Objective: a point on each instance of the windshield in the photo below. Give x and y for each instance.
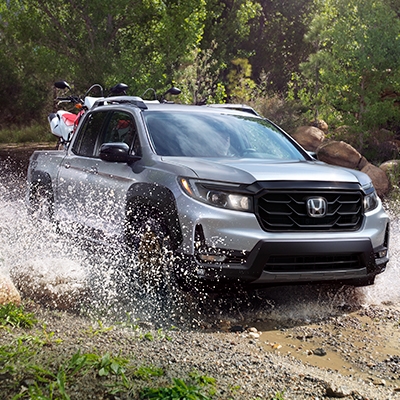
(197, 134)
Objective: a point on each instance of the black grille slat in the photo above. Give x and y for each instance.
(280, 210)
(306, 263)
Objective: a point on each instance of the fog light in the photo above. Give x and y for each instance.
(212, 258)
(382, 253)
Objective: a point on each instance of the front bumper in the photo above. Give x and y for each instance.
(230, 245)
(273, 261)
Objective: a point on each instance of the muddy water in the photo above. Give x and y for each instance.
(63, 273)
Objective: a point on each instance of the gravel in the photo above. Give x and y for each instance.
(242, 364)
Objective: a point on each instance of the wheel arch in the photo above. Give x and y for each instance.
(40, 178)
(152, 196)
(40, 186)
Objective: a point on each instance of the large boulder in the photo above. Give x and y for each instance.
(378, 178)
(391, 167)
(392, 171)
(309, 137)
(342, 154)
(8, 292)
(320, 124)
(59, 283)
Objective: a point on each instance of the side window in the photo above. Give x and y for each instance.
(121, 127)
(85, 143)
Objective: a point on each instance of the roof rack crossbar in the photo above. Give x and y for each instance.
(133, 100)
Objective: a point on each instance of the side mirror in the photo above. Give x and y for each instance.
(116, 152)
(62, 85)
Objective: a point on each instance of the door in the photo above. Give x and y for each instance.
(94, 191)
(74, 183)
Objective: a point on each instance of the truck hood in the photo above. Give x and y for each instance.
(247, 171)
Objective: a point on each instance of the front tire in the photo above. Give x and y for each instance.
(152, 251)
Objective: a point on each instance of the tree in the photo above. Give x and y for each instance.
(356, 63)
(199, 78)
(240, 84)
(92, 41)
(228, 24)
(275, 44)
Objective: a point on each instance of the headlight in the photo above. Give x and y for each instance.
(217, 194)
(371, 201)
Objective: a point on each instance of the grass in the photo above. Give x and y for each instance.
(32, 133)
(37, 364)
(16, 317)
(197, 387)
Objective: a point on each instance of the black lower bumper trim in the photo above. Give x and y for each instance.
(301, 260)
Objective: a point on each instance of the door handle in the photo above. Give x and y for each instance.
(93, 170)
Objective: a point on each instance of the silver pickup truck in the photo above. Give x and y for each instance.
(208, 194)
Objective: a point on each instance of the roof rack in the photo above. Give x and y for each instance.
(134, 100)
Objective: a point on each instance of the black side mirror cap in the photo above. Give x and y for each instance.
(117, 152)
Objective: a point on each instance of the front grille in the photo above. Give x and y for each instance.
(309, 263)
(286, 210)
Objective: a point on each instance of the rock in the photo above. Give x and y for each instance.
(342, 154)
(309, 137)
(224, 325)
(379, 382)
(320, 124)
(333, 390)
(237, 328)
(8, 292)
(319, 352)
(59, 283)
(391, 166)
(378, 178)
(254, 335)
(383, 135)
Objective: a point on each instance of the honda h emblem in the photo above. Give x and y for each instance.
(316, 207)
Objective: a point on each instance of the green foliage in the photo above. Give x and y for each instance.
(198, 78)
(228, 24)
(354, 72)
(198, 387)
(93, 331)
(287, 113)
(33, 132)
(347, 71)
(16, 316)
(108, 365)
(279, 396)
(240, 85)
(275, 46)
(147, 372)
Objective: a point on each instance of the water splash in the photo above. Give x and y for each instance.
(61, 272)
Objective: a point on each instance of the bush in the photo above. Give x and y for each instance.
(288, 114)
(32, 133)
